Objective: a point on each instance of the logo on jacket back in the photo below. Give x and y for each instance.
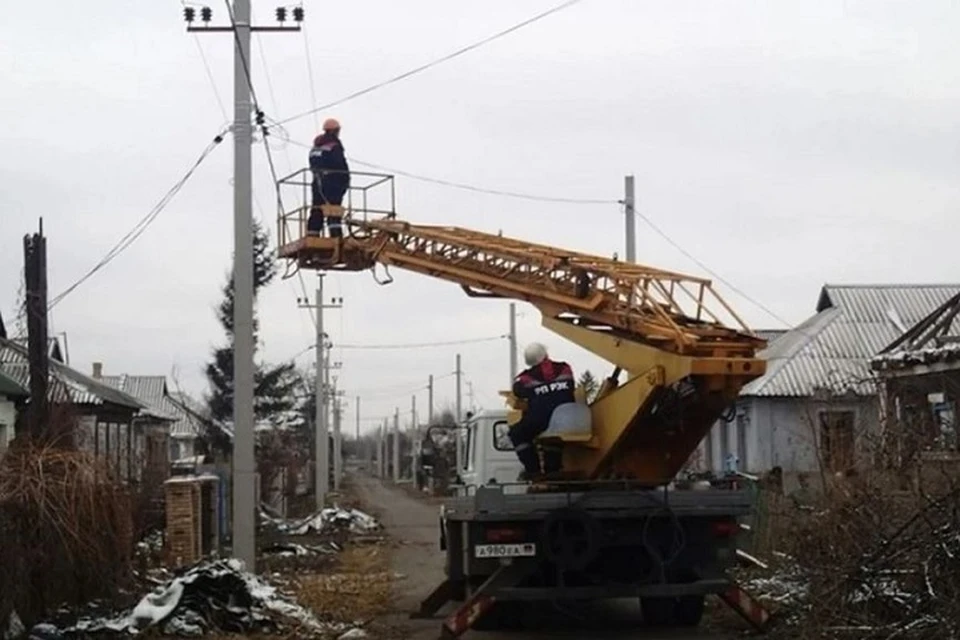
(550, 387)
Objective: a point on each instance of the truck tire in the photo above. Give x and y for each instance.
(503, 616)
(688, 611)
(658, 612)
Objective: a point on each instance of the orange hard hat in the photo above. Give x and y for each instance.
(331, 124)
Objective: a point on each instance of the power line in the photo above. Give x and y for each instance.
(422, 345)
(142, 225)
(713, 273)
(313, 88)
(476, 189)
(406, 345)
(441, 60)
(470, 187)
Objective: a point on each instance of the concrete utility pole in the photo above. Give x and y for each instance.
(396, 445)
(513, 341)
(337, 439)
(244, 465)
(629, 211)
(321, 385)
(382, 448)
(459, 441)
(430, 400)
(415, 435)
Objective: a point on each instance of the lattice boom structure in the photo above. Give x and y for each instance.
(669, 310)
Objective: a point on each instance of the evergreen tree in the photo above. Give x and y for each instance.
(589, 384)
(275, 386)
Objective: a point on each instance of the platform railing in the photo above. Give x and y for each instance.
(370, 196)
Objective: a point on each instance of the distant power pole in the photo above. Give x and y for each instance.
(459, 440)
(382, 450)
(35, 280)
(415, 439)
(321, 391)
(430, 400)
(337, 439)
(629, 211)
(244, 465)
(396, 445)
(513, 341)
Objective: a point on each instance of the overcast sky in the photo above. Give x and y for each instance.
(784, 145)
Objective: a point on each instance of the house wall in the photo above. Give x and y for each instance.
(785, 432)
(8, 417)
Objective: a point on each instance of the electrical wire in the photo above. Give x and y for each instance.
(441, 60)
(476, 189)
(470, 187)
(141, 226)
(422, 345)
(313, 87)
(710, 271)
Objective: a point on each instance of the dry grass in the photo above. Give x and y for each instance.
(357, 591)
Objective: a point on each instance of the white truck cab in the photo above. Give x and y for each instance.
(487, 453)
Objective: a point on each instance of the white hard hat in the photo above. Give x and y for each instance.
(534, 354)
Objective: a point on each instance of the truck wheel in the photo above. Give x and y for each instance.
(504, 615)
(688, 610)
(658, 612)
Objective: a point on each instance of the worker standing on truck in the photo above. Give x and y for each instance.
(545, 385)
(331, 178)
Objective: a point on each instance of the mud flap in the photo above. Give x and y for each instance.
(746, 606)
(482, 600)
(445, 592)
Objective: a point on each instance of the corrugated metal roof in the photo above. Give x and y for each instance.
(833, 348)
(65, 383)
(200, 411)
(153, 391)
(10, 388)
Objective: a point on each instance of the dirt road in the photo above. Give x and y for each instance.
(413, 523)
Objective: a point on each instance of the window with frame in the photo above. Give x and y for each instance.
(501, 436)
(837, 440)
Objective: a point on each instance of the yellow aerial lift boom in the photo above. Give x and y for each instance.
(684, 365)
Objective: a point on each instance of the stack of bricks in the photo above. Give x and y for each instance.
(183, 521)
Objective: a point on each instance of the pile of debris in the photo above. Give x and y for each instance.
(328, 521)
(215, 596)
(870, 563)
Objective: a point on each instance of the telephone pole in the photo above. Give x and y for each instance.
(629, 211)
(244, 465)
(35, 279)
(513, 341)
(396, 446)
(459, 375)
(430, 400)
(415, 440)
(321, 418)
(337, 437)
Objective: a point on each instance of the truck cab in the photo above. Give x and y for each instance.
(487, 455)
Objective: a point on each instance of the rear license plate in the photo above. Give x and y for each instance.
(524, 550)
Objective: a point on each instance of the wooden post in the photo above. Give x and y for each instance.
(35, 276)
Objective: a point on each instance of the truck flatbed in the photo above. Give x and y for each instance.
(492, 503)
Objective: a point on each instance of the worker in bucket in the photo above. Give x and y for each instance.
(545, 385)
(331, 178)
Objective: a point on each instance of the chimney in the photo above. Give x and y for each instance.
(97, 370)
